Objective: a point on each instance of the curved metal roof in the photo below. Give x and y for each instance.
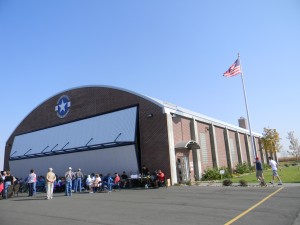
(166, 108)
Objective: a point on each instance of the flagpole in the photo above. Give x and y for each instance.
(248, 117)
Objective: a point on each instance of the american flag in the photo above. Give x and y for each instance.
(234, 69)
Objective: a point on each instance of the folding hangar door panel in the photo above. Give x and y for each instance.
(107, 160)
(104, 143)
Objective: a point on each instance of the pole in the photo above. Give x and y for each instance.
(248, 117)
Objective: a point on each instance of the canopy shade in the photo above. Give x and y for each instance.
(188, 144)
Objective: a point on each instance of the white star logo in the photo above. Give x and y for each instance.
(62, 106)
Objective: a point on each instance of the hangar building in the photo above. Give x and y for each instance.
(108, 129)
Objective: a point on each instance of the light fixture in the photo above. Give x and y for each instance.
(149, 115)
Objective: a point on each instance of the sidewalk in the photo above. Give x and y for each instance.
(219, 184)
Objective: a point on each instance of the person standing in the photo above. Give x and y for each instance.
(3, 175)
(78, 180)
(30, 182)
(273, 165)
(145, 171)
(69, 175)
(50, 178)
(88, 183)
(34, 184)
(259, 172)
(9, 180)
(1, 185)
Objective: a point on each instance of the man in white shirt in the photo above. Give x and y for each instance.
(273, 165)
(31, 179)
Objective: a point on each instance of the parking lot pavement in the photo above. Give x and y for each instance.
(165, 206)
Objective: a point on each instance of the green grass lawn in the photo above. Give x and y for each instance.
(289, 174)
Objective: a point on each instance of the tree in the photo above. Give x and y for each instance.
(294, 145)
(271, 140)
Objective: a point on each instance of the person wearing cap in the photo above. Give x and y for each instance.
(50, 178)
(78, 179)
(259, 172)
(69, 175)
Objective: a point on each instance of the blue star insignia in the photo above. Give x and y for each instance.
(63, 106)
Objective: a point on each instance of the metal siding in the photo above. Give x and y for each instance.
(103, 129)
(109, 160)
(232, 151)
(203, 148)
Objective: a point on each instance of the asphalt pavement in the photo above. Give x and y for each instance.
(177, 205)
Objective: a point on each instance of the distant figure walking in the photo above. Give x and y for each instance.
(259, 172)
(50, 178)
(273, 165)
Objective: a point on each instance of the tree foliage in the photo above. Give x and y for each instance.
(294, 145)
(271, 140)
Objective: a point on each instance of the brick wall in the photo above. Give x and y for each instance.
(181, 129)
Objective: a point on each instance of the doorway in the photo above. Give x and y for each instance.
(183, 170)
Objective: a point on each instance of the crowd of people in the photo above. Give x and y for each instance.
(75, 181)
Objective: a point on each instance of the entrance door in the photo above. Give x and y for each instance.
(183, 170)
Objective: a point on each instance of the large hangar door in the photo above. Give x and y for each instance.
(108, 160)
(104, 143)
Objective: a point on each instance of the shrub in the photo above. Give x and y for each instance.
(243, 183)
(214, 174)
(227, 173)
(244, 167)
(227, 182)
(189, 183)
(211, 174)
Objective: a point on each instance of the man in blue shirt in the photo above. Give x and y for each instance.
(259, 172)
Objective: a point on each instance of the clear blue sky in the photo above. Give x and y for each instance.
(173, 50)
